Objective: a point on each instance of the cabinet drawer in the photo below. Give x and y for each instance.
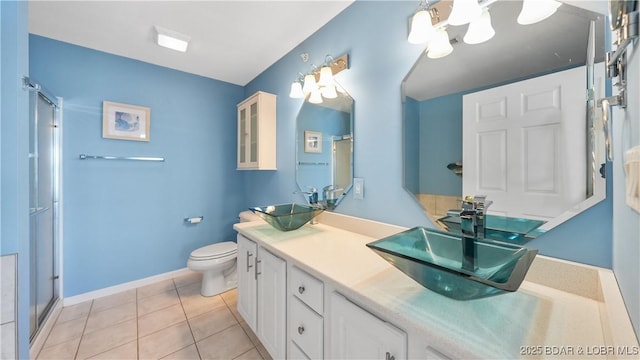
(306, 329)
(294, 352)
(308, 289)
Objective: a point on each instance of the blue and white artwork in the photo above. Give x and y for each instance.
(127, 121)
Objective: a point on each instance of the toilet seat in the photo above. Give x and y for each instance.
(215, 251)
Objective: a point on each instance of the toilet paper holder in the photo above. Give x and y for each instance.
(193, 220)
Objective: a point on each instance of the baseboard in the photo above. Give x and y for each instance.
(77, 299)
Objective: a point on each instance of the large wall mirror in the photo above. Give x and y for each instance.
(324, 148)
(509, 118)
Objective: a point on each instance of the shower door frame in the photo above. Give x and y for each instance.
(39, 317)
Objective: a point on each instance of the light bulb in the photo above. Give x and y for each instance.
(315, 97)
(480, 29)
(440, 46)
(309, 84)
(534, 11)
(421, 28)
(326, 76)
(464, 12)
(296, 90)
(329, 92)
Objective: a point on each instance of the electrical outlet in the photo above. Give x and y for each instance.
(358, 188)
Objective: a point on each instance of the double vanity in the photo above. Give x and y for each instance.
(320, 292)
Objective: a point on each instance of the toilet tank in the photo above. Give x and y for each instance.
(248, 216)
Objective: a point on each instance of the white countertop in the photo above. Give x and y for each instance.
(567, 316)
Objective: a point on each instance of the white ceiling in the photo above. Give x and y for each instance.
(232, 41)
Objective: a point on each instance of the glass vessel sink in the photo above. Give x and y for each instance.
(287, 217)
(501, 228)
(434, 259)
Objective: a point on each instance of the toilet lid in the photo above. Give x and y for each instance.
(216, 250)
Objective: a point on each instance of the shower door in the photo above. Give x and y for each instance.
(43, 207)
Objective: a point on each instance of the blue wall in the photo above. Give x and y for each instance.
(380, 58)
(14, 152)
(124, 220)
(440, 144)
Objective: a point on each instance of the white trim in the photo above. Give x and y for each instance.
(124, 286)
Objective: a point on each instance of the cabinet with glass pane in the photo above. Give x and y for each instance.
(257, 132)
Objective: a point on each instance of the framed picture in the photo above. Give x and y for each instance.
(125, 122)
(312, 141)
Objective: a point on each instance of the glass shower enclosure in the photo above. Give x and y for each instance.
(43, 204)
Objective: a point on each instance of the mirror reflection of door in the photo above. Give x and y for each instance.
(342, 163)
(433, 94)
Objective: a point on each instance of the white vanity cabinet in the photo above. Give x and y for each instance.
(358, 334)
(262, 294)
(257, 132)
(305, 315)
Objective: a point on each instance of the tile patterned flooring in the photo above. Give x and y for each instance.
(164, 320)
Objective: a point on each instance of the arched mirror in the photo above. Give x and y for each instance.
(324, 148)
(511, 119)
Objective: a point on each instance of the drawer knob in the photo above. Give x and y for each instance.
(300, 329)
(389, 356)
(301, 289)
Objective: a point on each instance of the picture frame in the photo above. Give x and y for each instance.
(312, 141)
(125, 121)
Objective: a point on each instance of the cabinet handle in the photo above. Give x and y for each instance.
(388, 356)
(301, 289)
(301, 330)
(249, 266)
(256, 264)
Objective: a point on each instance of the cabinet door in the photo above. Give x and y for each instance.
(247, 296)
(243, 133)
(272, 274)
(357, 334)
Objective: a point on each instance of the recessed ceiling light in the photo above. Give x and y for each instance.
(171, 39)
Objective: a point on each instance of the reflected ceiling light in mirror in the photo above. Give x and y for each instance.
(534, 11)
(440, 45)
(421, 27)
(480, 29)
(464, 12)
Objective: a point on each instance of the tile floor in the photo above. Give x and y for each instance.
(165, 320)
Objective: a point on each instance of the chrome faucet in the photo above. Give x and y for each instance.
(473, 226)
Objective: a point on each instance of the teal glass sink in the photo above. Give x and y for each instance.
(287, 217)
(501, 228)
(434, 259)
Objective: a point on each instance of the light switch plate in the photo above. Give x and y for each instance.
(358, 188)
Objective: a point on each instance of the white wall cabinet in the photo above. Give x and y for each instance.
(262, 295)
(257, 132)
(358, 334)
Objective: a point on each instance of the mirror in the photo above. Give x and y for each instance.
(324, 149)
(481, 121)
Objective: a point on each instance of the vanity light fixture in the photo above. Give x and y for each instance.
(319, 82)
(480, 29)
(534, 11)
(172, 39)
(429, 22)
(464, 12)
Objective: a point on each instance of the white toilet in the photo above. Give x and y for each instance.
(217, 263)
